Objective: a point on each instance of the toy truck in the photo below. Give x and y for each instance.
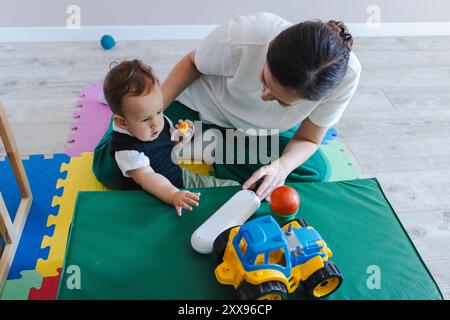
(265, 261)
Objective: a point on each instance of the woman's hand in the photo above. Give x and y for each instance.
(305, 142)
(273, 176)
(184, 199)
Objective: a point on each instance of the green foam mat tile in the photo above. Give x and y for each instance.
(130, 245)
(342, 165)
(19, 289)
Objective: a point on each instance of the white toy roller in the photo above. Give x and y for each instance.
(234, 212)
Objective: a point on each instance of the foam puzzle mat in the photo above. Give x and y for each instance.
(343, 166)
(55, 182)
(42, 175)
(18, 289)
(329, 136)
(47, 290)
(92, 121)
(79, 178)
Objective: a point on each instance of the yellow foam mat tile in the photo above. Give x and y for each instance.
(203, 169)
(79, 178)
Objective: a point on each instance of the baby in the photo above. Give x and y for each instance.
(141, 142)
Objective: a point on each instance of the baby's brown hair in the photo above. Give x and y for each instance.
(128, 78)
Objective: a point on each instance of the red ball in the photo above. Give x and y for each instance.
(284, 201)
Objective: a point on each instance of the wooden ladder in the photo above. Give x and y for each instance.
(11, 231)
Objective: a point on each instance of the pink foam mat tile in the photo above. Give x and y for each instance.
(92, 121)
(92, 92)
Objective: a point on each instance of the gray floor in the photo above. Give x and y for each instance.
(395, 127)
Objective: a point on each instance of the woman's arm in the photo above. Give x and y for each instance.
(302, 146)
(182, 75)
(305, 142)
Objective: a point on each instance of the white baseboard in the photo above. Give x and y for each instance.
(175, 32)
(400, 29)
(178, 32)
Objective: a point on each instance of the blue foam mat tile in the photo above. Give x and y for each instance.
(35, 157)
(43, 175)
(330, 135)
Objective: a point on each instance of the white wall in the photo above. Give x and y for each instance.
(39, 13)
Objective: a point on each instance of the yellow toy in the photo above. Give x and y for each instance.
(184, 127)
(263, 261)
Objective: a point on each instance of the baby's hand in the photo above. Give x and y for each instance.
(183, 200)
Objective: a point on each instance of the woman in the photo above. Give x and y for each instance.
(260, 71)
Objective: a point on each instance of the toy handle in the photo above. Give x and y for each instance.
(235, 211)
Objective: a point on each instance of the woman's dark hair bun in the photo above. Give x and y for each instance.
(310, 57)
(340, 28)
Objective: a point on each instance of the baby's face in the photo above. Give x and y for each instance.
(144, 114)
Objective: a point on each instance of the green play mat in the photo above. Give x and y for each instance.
(130, 245)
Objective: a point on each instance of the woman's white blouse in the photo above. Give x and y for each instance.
(231, 59)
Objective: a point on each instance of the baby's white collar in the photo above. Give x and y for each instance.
(120, 130)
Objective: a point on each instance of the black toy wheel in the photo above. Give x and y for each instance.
(220, 244)
(301, 222)
(271, 290)
(324, 281)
